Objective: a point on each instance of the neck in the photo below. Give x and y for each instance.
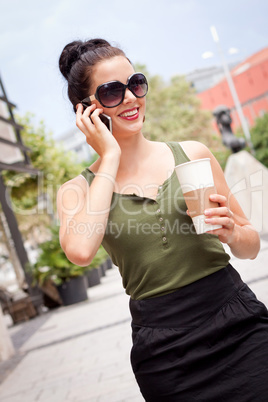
(133, 150)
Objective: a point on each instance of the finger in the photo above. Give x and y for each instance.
(221, 199)
(79, 109)
(86, 116)
(95, 117)
(231, 214)
(220, 211)
(79, 113)
(89, 110)
(223, 221)
(82, 118)
(219, 232)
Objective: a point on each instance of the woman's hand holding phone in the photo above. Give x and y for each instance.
(98, 136)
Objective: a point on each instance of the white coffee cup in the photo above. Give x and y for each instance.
(196, 180)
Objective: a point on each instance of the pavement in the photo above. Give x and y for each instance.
(82, 352)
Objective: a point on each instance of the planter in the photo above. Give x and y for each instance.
(73, 291)
(51, 295)
(102, 269)
(109, 264)
(93, 277)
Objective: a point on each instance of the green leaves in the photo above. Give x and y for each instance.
(53, 264)
(173, 112)
(55, 166)
(259, 135)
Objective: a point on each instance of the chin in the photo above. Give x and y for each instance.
(131, 127)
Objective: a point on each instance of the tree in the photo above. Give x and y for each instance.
(173, 113)
(259, 137)
(55, 166)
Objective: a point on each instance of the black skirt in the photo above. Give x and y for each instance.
(206, 342)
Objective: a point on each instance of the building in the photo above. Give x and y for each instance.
(204, 78)
(75, 141)
(250, 78)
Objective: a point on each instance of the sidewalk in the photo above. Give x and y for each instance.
(81, 352)
(77, 353)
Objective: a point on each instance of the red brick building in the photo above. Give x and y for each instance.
(251, 82)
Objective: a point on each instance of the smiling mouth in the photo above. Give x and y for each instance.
(130, 113)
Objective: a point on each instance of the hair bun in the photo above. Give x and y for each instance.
(74, 50)
(78, 61)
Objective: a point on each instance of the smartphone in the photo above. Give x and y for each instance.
(107, 121)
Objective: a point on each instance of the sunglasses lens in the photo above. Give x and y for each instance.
(138, 85)
(111, 94)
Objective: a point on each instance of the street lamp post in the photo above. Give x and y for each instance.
(232, 89)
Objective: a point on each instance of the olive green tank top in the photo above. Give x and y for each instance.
(154, 243)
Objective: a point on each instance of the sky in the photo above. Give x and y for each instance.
(168, 36)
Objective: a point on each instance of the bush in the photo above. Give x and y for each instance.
(52, 264)
(259, 136)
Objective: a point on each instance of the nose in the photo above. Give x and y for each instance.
(129, 97)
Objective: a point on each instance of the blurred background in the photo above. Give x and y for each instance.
(207, 67)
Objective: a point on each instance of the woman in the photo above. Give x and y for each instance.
(199, 333)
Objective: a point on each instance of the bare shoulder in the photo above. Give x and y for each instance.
(70, 195)
(73, 184)
(195, 150)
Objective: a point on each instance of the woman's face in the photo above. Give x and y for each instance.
(128, 116)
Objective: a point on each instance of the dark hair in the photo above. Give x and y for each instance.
(77, 61)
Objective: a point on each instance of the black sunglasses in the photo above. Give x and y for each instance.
(112, 93)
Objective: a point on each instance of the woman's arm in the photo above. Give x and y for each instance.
(83, 210)
(236, 231)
